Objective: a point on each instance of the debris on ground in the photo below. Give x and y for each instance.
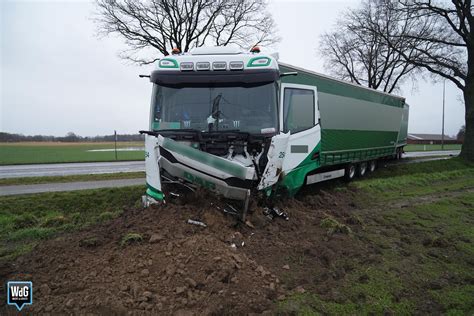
(272, 212)
(197, 223)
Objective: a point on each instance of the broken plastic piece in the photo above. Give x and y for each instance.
(148, 200)
(271, 213)
(198, 223)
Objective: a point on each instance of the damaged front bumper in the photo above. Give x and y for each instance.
(228, 178)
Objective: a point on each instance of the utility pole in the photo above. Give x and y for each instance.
(442, 128)
(115, 138)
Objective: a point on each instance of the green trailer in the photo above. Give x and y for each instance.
(358, 125)
(237, 123)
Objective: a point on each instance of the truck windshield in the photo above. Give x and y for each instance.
(250, 109)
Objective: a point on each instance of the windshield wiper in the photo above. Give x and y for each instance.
(213, 119)
(228, 131)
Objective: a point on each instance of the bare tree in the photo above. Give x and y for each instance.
(440, 34)
(353, 52)
(152, 27)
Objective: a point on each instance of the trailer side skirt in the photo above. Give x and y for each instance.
(324, 176)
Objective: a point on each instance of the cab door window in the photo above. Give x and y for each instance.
(298, 110)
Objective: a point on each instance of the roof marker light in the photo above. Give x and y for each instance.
(168, 63)
(219, 65)
(175, 51)
(259, 62)
(255, 49)
(203, 66)
(186, 66)
(236, 65)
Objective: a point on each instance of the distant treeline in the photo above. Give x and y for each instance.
(70, 138)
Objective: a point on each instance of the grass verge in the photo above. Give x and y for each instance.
(26, 220)
(419, 218)
(72, 178)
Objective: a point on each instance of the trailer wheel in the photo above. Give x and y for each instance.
(372, 165)
(350, 172)
(399, 154)
(362, 169)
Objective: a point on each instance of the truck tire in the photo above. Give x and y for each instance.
(372, 165)
(362, 169)
(350, 172)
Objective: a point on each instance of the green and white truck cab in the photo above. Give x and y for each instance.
(236, 122)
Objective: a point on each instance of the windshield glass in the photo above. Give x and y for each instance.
(250, 109)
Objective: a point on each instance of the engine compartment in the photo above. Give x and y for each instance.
(242, 147)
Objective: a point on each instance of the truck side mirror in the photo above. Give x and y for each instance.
(284, 74)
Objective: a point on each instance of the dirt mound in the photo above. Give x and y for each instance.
(153, 261)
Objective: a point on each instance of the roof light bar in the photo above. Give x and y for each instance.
(219, 65)
(203, 66)
(236, 65)
(186, 66)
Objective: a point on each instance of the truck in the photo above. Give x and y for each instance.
(239, 123)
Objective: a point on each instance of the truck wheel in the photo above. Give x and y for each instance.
(372, 165)
(362, 169)
(350, 172)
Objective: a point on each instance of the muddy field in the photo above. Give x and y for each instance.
(153, 262)
(178, 267)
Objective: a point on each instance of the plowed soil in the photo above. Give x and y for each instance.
(227, 267)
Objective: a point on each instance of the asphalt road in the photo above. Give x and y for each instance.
(114, 167)
(67, 169)
(70, 186)
(419, 154)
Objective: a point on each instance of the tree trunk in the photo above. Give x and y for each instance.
(467, 151)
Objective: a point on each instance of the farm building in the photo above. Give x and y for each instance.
(430, 139)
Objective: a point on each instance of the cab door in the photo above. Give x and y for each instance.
(299, 116)
(291, 152)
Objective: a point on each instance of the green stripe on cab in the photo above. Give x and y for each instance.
(154, 193)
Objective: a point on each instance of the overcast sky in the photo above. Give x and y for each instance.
(57, 76)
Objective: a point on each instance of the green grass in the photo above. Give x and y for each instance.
(31, 153)
(408, 180)
(26, 220)
(416, 147)
(420, 218)
(73, 178)
(131, 238)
